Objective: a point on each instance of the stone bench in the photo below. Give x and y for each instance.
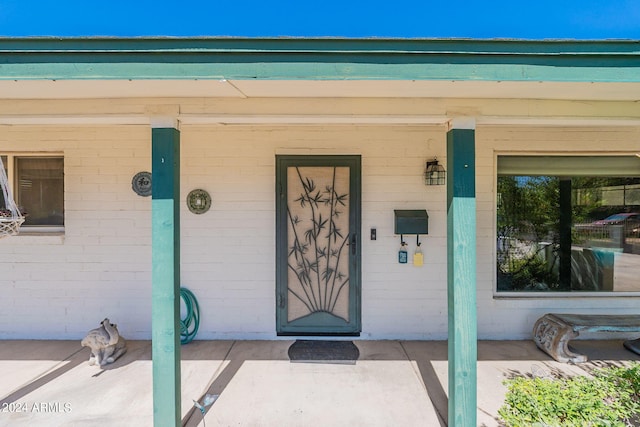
(552, 332)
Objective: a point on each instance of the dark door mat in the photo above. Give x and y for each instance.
(324, 351)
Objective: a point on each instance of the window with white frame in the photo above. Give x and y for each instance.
(568, 224)
(37, 183)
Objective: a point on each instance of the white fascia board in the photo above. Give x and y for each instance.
(196, 119)
(310, 119)
(204, 119)
(559, 121)
(74, 120)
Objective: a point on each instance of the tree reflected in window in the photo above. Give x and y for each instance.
(559, 234)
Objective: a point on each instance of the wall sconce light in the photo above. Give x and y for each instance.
(434, 173)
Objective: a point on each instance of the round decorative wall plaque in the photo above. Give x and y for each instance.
(198, 201)
(141, 184)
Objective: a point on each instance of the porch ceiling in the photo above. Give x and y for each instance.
(231, 88)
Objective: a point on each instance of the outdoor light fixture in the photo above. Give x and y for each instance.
(434, 173)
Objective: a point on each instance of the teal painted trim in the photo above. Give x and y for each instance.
(263, 68)
(461, 278)
(165, 165)
(165, 312)
(320, 59)
(318, 45)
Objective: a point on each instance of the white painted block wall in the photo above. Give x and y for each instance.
(228, 254)
(59, 287)
(499, 318)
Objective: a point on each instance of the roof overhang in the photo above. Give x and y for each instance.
(53, 68)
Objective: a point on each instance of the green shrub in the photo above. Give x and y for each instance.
(610, 398)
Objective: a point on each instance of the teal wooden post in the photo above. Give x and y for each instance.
(165, 312)
(461, 277)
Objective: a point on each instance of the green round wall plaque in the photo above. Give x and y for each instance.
(198, 201)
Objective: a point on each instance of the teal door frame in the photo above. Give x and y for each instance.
(318, 322)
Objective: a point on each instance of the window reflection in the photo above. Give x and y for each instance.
(557, 233)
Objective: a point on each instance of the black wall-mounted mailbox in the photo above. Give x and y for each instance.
(411, 221)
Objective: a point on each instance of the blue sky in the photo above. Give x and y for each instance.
(541, 19)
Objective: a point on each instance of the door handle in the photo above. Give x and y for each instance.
(281, 300)
(354, 243)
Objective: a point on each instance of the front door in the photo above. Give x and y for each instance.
(318, 245)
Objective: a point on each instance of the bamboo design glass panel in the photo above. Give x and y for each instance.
(318, 236)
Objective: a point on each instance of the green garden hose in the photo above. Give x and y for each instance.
(189, 325)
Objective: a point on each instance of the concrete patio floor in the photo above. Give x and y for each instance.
(393, 383)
